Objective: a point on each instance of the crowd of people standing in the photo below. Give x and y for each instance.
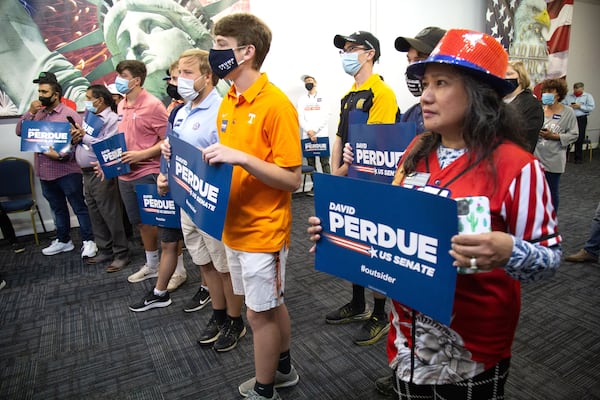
(469, 141)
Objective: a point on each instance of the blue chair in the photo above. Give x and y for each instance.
(306, 171)
(17, 192)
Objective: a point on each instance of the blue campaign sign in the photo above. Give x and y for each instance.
(320, 148)
(378, 148)
(38, 136)
(91, 124)
(200, 189)
(109, 153)
(156, 209)
(389, 239)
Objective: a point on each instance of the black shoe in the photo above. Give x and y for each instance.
(211, 333)
(346, 314)
(18, 248)
(386, 386)
(151, 301)
(229, 336)
(371, 331)
(199, 301)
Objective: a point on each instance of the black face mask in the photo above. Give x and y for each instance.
(309, 86)
(414, 85)
(46, 101)
(172, 92)
(513, 82)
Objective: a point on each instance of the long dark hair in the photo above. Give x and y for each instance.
(101, 91)
(488, 121)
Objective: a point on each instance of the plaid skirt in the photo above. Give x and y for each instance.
(489, 385)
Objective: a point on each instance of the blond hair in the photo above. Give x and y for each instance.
(520, 69)
(201, 56)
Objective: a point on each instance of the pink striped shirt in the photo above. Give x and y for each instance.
(46, 168)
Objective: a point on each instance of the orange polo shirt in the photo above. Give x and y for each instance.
(263, 122)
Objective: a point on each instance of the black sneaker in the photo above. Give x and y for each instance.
(229, 336)
(387, 386)
(17, 248)
(151, 301)
(211, 333)
(199, 301)
(346, 314)
(371, 331)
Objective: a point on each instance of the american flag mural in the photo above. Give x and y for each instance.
(534, 31)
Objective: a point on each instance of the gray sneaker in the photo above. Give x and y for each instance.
(252, 395)
(281, 381)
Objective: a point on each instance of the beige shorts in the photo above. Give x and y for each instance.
(258, 276)
(202, 247)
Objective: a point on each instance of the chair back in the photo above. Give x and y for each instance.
(16, 177)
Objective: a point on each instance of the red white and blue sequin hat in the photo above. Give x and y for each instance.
(476, 53)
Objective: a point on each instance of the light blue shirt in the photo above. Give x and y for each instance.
(586, 102)
(84, 153)
(198, 126)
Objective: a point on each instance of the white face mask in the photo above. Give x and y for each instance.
(185, 88)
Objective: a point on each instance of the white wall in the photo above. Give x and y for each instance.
(584, 57)
(303, 39)
(303, 34)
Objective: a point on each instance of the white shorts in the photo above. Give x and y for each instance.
(202, 247)
(258, 276)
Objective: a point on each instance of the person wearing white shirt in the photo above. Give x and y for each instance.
(313, 115)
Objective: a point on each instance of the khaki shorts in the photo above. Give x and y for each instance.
(202, 247)
(258, 276)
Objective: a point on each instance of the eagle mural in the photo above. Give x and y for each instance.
(529, 44)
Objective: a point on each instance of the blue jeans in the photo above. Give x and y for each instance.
(553, 180)
(57, 192)
(592, 245)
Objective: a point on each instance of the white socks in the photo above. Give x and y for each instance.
(152, 259)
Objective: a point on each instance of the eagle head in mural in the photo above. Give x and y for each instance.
(529, 44)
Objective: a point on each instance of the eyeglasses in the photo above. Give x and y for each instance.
(352, 49)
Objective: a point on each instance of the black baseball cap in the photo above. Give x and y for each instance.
(46, 77)
(359, 37)
(424, 42)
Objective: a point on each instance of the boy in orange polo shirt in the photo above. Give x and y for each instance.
(258, 131)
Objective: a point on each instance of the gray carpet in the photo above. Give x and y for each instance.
(66, 331)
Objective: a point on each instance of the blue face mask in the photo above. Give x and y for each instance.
(122, 85)
(350, 63)
(547, 99)
(222, 62)
(89, 105)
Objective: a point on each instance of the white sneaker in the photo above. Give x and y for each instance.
(89, 249)
(58, 247)
(144, 273)
(176, 281)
